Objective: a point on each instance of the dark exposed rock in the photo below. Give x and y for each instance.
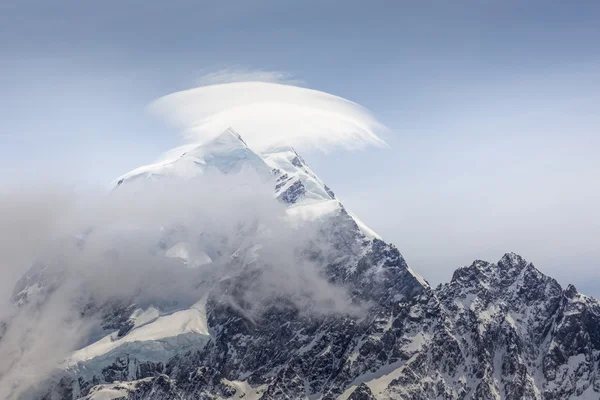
(362, 392)
(293, 193)
(329, 192)
(116, 317)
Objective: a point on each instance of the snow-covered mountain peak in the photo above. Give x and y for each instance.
(226, 153)
(230, 134)
(295, 183)
(228, 141)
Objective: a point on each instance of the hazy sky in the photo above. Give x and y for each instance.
(492, 109)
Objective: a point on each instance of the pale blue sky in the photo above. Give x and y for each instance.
(492, 108)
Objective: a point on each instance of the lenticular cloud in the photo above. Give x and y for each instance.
(271, 115)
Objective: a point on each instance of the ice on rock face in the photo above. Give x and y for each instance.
(154, 337)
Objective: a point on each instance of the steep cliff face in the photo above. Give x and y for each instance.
(495, 331)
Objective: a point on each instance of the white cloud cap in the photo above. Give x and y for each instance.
(270, 115)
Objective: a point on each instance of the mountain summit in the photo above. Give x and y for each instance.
(495, 331)
(295, 183)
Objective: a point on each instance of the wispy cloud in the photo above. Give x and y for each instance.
(238, 74)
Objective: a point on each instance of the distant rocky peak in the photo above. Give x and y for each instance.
(511, 261)
(510, 278)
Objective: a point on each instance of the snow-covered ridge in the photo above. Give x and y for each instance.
(292, 169)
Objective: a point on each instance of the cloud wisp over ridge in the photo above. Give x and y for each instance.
(231, 75)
